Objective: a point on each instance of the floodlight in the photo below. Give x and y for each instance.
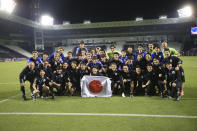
(163, 17)
(185, 12)
(86, 22)
(7, 5)
(46, 20)
(139, 19)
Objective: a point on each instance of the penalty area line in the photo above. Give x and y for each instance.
(98, 114)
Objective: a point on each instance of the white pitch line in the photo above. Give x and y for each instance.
(9, 98)
(98, 114)
(4, 100)
(9, 83)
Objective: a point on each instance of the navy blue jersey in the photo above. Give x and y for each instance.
(52, 56)
(118, 63)
(98, 65)
(37, 61)
(78, 50)
(159, 56)
(123, 59)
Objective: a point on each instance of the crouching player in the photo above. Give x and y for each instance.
(126, 80)
(175, 80)
(41, 86)
(148, 81)
(57, 82)
(29, 73)
(114, 75)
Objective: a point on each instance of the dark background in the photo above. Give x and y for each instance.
(76, 11)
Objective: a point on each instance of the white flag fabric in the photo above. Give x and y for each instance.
(95, 86)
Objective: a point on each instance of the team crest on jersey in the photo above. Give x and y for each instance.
(173, 72)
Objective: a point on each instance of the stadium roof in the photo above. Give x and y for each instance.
(23, 21)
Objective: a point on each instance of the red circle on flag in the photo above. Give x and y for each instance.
(95, 86)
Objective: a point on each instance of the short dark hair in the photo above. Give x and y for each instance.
(116, 53)
(112, 46)
(46, 53)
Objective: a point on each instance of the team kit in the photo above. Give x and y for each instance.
(151, 72)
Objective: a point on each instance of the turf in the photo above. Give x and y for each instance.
(9, 87)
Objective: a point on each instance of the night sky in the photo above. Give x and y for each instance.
(76, 11)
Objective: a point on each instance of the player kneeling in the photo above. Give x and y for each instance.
(41, 85)
(175, 80)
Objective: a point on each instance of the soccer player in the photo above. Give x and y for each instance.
(104, 61)
(95, 63)
(148, 59)
(29, 73)
(81, 47)
(37, 61)
(150, 48)
(114, 75)
(41, 85)
(60, 51)
(175, 80)
(140, 61)
(140, 51)
(160, 79)
(83, 70)
(138, 82)
(47, 68)
(57, 82)
(158, 54)
(172, 50)
(131, 64)
(73, 79)
(117, 61)
(111, 52)
(45, 56)
(123, 56)
(126, 80)
(171, 59)
(69, 57)
(56, 62)
(130, 53)
(148, 81)
(95, 72)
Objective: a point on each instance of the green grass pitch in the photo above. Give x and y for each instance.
(11, 101)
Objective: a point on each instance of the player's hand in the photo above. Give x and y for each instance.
(124, 80)
(143, 86)
(160, 75)
(174, 84)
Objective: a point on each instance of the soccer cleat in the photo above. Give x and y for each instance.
(34, 98)
(123, 95)
(177, 98)
(24, 98)
(131, 95)
(169, 97)
(53, 97)
(42, 97)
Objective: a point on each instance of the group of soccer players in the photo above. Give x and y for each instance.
(151, 72)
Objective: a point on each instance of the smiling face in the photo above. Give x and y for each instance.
(94, 71)
(125, 69)
(42, 73)
(149, 68)
(35, 55)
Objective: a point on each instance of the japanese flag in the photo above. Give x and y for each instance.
(96, 86)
